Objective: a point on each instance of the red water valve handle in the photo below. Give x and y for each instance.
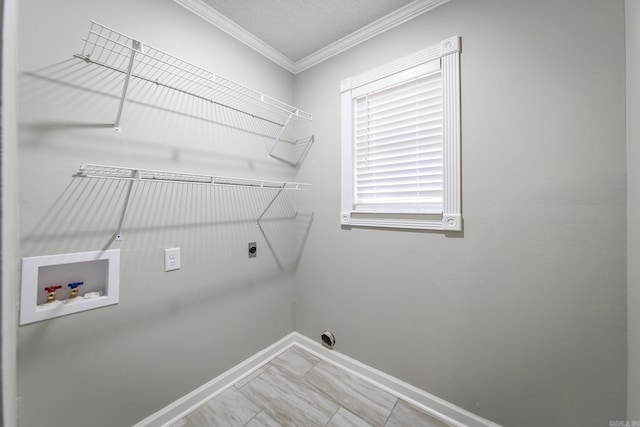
(52, 288)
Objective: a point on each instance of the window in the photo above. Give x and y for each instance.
(401, 143)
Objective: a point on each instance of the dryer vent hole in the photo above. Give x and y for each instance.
(328, 339)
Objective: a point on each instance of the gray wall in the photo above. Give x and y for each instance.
(522, 318)
(171, 332)
(632, 15)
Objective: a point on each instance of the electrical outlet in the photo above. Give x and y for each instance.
(171, 259)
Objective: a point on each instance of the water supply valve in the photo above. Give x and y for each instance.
(51, 292)
(74, 288)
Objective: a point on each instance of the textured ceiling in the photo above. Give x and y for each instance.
(298, 28)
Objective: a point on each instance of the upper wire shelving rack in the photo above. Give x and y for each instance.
(111, 49)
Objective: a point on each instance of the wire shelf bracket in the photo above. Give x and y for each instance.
(301, 145)
(116, 51)
(305, 143)
(119, 236)
(267, 208)
(136, 46)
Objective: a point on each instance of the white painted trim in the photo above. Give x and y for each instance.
(189, 402)
(220, 21)
(10, 215)
(436, 51)
(441, 409)
(451, 218)
(352, 219)
(393, 19)
(446, 411)
(447, 55)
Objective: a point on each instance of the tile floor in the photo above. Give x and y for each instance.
(299, 389)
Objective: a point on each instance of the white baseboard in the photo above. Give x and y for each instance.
(188, 403)
(433, 405)
(438, 408)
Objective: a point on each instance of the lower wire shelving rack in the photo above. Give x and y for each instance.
(149, 175)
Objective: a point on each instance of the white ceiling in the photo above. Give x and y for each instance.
(298, 34)
(298, 28)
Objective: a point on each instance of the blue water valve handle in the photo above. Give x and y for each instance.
(74, 289)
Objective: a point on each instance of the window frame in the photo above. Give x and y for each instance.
(448, 54)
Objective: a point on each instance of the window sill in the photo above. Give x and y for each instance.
(447, 222)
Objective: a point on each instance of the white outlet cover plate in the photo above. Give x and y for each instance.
(171, 259)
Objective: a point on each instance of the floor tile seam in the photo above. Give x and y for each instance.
(286, 374)
(262, 408)
(340, 366)
(390, 413)
(264, 368)
(360, 417)
(309, 383)
(262, 365)
(373, 385)
(308, 370)
(281, 364)
(259, 412)
(257, 408)
(333, 415)
(241, 391)
(302, 352)
(397, 395)
(340, 405)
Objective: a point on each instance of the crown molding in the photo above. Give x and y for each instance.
(400, 16)
(212, 16)
(395, 18)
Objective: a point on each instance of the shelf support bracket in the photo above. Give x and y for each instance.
(268, 206)
(306, 143)
(284, 126)
(118, 236)
(273, 252)
(136, 46)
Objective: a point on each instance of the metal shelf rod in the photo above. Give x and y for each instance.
(136, 174)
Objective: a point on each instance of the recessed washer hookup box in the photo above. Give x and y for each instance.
(57, 285)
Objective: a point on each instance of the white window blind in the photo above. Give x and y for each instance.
(398, 160)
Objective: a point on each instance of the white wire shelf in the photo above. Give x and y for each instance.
(148, 175)
(111, 49)
(135, 174)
